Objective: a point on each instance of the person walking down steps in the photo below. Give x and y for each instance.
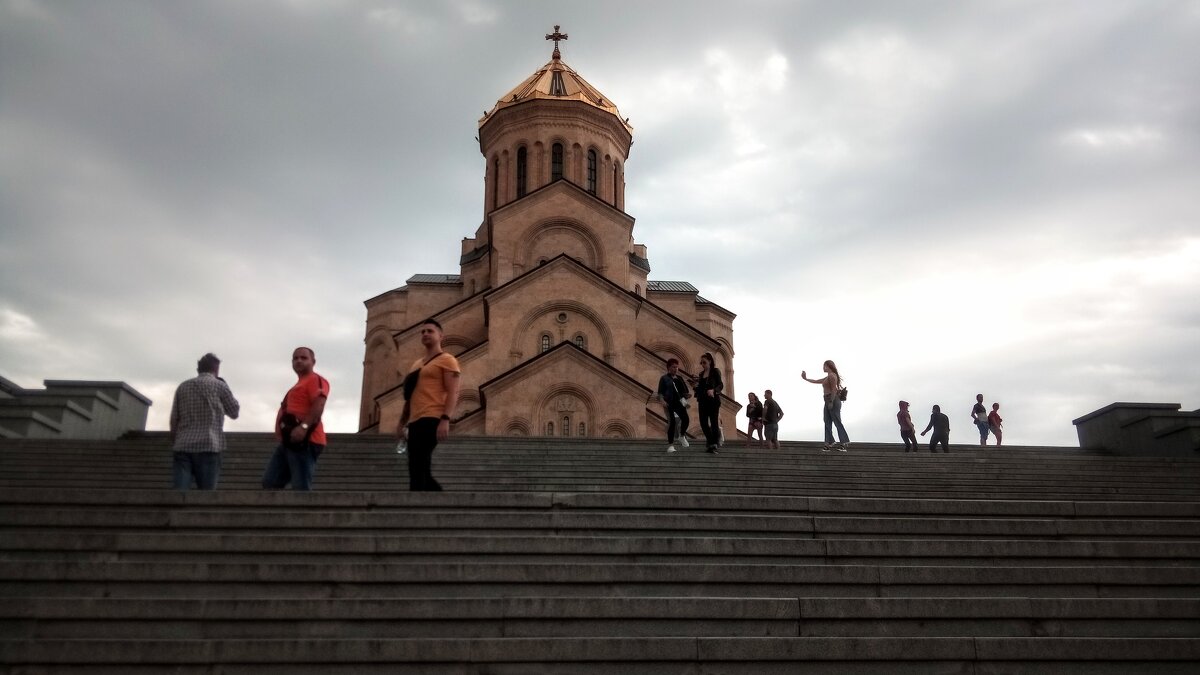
(673, 395)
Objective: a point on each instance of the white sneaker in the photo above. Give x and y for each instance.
(670, 448)
(842, 447)
(684, 441)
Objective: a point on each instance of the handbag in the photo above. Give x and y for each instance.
(287, 422)
(410, 380)
(842, 393)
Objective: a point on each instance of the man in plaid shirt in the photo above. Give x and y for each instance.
(198, 425)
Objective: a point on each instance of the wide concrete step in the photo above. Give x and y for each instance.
(238, 500)
(319, 580)
(599, 522)
(90, 547)
(206, 619)
(630, 654)
(872, 470)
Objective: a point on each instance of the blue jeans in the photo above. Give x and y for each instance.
(983, 430)
(294, 465)
(833, 416)
(204, 467)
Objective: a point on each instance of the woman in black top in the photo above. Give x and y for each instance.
(754, 411)
(708, 386)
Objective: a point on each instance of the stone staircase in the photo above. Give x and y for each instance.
(598, 556)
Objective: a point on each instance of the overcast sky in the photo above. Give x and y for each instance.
(946, 198)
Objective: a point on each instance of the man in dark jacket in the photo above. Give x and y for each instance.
(672, 394)
(941, 430)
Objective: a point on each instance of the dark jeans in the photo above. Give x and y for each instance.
(676, 409)
(910, 440)
(422, 439)
(944, 439)
(204, 467)
(295, 465)
(709, 423)
(833, 416)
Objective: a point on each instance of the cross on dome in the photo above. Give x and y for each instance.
(556, 36)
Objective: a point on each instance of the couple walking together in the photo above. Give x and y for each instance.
(673, 394)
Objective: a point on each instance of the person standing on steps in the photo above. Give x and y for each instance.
(908, 432)
(708, 386)
(995, 423)
(979, 416)
(673, 395)
(298, 427)
(772, 413)
(940, 424)
(831, 387)
(754, 411)
(198, 425)
(431, 398)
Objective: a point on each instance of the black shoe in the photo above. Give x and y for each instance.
(712, 450)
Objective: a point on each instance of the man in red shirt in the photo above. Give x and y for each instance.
(298, 427)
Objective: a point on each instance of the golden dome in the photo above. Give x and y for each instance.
(556, 80)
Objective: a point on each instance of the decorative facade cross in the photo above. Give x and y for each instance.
(556, 36)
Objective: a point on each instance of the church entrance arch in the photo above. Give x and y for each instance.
(566, 408)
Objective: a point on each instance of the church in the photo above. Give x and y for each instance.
(553, 317)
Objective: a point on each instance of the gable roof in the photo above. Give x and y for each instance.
(556, 351)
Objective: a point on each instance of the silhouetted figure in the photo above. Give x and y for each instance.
(772, 413)
(979, 416)
(908, 432)
(941, 430)
(996, 424)
(754, 412)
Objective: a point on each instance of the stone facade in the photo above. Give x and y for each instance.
(552, 316)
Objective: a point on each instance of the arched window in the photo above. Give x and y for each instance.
(591, 172)
(556, 162)
(580, 342)
(549, 428)
(521, 172)
(495, 182)
(566, 426)
(545, 343)
(583, 429)
(637, 289)
(616, 180)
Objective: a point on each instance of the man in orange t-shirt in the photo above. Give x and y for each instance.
(431, 390)
(298, 427)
